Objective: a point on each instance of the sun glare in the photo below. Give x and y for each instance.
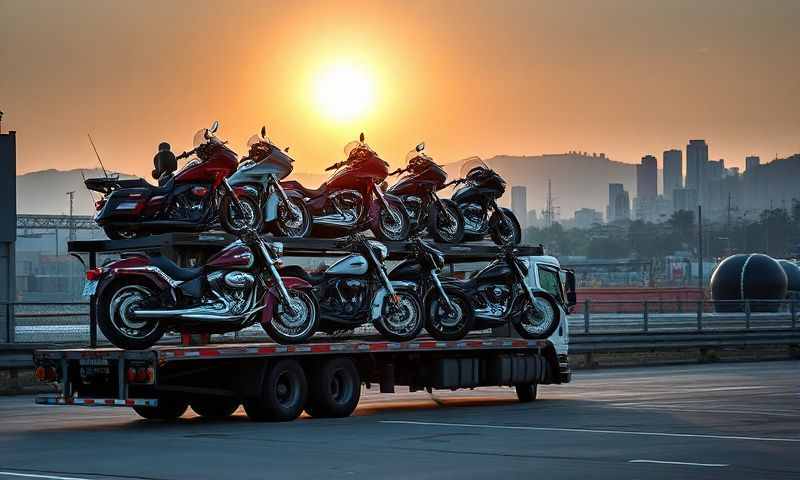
(344, 92)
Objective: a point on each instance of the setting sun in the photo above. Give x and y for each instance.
(344, 92)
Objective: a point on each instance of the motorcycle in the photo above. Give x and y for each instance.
(499, 293)
(448, 311)
(259, 174)
(189, 200)
(417, 190)
(478, 198)
(353, 198)
(356, 290)
(141, 297)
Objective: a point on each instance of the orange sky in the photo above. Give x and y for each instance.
(511, 77)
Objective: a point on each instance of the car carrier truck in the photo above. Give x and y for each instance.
(323, 377)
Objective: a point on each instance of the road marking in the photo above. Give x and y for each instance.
(668, 408)
(692, 464)
(33, 475)
(590, 430)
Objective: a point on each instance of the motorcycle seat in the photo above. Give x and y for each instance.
(173, 270)
(307, 192)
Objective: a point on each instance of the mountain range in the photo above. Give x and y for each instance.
(577, 180)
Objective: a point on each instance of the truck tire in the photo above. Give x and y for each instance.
(283, 394)
(168, 409)
(334, 390)
(214, 407)
(526, 393)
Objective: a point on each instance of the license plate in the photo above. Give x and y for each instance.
(89, 288)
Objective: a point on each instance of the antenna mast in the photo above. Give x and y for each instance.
(97, 155)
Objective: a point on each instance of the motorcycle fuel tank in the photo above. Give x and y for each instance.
(220, 163)
(353, 264)
(235, 255)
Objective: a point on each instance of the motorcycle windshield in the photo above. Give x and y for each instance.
(471, 164)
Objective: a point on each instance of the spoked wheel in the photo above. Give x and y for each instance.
(539, 322)
(298, 325)
(215, 407)
(116, 319)
(168, 409)
(233, 221)
(444, 323)
(393, 224)
(293, 220)
(446, 224)
(284, 392)
(505, 228)
(401, 318)
(334, 390)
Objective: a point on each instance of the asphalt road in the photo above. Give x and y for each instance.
(731, 421)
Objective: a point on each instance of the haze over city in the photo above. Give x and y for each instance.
(627, 78)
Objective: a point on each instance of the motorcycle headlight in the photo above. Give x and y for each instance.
(380, 249)
(277, 249)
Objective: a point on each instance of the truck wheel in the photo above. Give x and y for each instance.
(526, 392)
(215, 407)
(283, 394)
(168, 409)
(334, 389)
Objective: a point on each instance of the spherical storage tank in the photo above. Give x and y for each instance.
(748, 277)
(793, 275)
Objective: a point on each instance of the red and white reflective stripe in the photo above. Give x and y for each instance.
(364, 346)
(96, 402)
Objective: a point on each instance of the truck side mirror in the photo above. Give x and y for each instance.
(572, 295)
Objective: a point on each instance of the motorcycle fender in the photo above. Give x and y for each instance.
(272, 298)
(375, 207)
(380, 295)
(246, 191)
(271, 205)
(130, 268)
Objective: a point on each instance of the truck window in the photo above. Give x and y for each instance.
(549, 281)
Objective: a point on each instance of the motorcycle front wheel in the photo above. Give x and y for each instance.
(448, 324)
(233, 221)
(506, 229)
(392, 224)
(296, 326)
(115, 318)
(293, 220)
(540, 323)
(446, 224)
(400, 320)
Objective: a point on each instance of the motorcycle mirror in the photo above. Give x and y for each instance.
(214, 127)
(421, 147)
(263, 132)
(361, 137)
(286, 149)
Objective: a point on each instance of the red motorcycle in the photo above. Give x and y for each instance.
(190, 200)
(353, 198)
(140, 297)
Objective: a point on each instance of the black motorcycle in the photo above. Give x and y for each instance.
(477, 201)
(499, 293)
(417, 190)
(356, 290)
(448, 312)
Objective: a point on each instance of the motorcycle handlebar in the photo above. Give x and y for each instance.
(186, 154)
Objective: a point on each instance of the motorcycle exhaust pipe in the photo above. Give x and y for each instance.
(197, 313)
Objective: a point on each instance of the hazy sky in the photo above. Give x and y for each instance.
(506, 77)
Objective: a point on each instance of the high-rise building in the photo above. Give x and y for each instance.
(647, 178)
(614, 189)
(684, 199)
(533, 218)
(673, 171)
(519, 204)
(586, 217)
(696, 161)
(751, 162)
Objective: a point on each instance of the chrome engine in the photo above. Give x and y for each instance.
(234, 299)
(493, 300)
(346, 207)
(475, 220)
(350, 294)
(187, 206)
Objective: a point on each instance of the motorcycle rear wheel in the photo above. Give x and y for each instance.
(114, 315)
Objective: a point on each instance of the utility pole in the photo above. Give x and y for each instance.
(549, 216)
(700, 282)
(1, 121)
(71, 221)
